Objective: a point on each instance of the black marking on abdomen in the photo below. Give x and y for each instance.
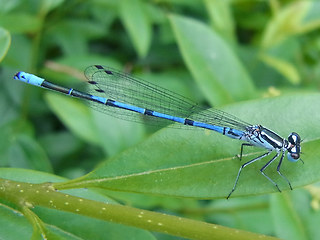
(110, 103)
(55, 87)
(148, 112)
(188, 122)
(230, 132)
(79, 94)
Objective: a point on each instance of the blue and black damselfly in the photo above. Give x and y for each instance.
(123, 96)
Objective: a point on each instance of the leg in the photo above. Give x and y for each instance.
(241, 149)
(278, 170)
(243, 166)
(265, 166)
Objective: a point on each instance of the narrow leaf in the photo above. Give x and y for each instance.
(215, 67)
(137, 24)
(221, 18)
(5, 40)
(284, 67)
(298, 17)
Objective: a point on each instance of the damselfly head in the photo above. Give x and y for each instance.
(294, 149)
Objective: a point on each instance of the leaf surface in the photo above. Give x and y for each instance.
(202, 164)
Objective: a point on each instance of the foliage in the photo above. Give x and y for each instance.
(258, 60)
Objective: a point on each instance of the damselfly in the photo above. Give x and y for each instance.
(123, 96)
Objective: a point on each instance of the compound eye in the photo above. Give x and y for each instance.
(294, 138)
(293, 157)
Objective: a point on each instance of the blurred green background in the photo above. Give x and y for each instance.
(224, 54)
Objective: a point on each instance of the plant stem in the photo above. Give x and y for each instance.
(30, 195)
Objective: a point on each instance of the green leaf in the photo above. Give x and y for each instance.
(202, 164)
(306, 203)
(217, 70)
(5, 40)
(12, 22)
(75, 115)
(108, 132)
(221, 18)
(19, 149)
(243, 213)
(7, 6)
(137, 25)
(284, 67)
(48, 5)
(311, 20)
(10, 221)
(288, 223)
(296, 18)
(69, 35)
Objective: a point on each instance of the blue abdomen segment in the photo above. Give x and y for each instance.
(168, 117)
(233, 133)
(144, 111)
(129, 107)
(209, 126)
(230, 132)
(99, 99)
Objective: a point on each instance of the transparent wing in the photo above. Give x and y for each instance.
(118, 86)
